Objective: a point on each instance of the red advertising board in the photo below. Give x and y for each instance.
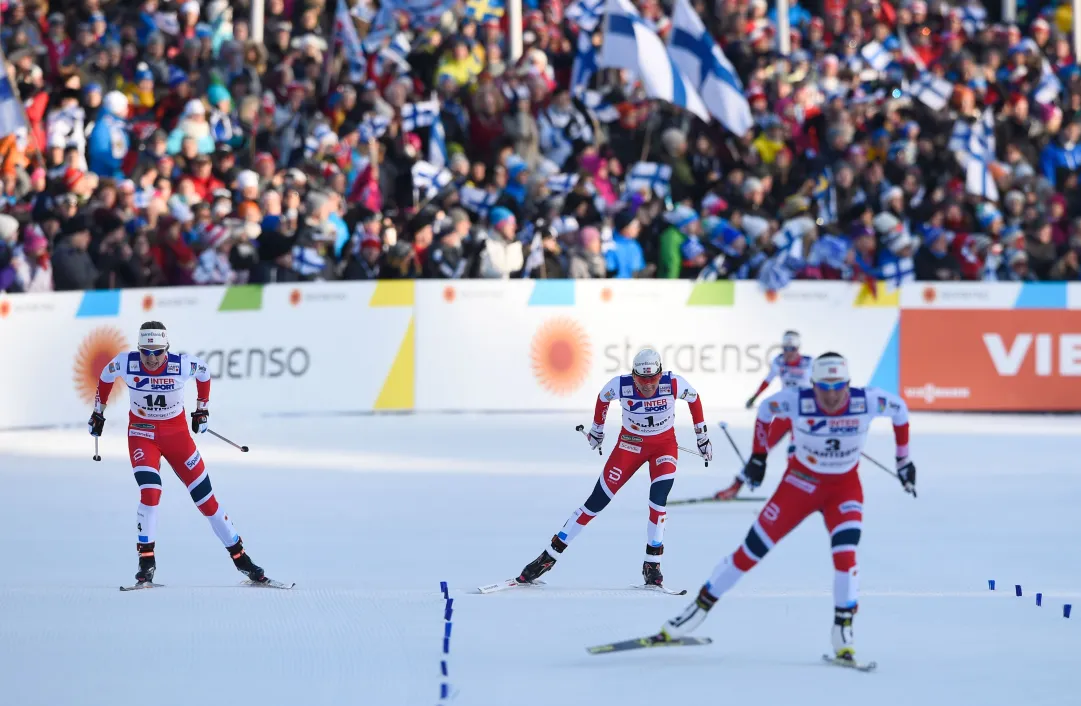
(993, 361)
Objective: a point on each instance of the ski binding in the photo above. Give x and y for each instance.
(269, 583)
(658, 640)
(850, 663)
(507, 585)
(661, 589)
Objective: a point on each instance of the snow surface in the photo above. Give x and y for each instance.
(369, 513)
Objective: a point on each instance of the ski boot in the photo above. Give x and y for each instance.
(244, 564)
(686, 622)
(147, 564)
(542, 564)
(651, 570)
(844, 644)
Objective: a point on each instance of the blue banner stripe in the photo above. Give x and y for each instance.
(99, 303)
(1041, 295)
(552, 292)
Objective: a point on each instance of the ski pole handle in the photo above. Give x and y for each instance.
(97, 457)
(231, 443)
(724, 428)
(581, 428)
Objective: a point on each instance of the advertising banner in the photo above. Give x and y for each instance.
(551, 344)
(279, 349)
(991, 360)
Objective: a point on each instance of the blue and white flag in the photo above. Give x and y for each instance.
(698, 56)
(585, 62)
(307, 262)
(345, 33)
(437, 144)
(1049, 86)
(931, 90)
(649, 176)
(12, 113)
(562, 183)
(975, 140)
(604, 111)
(423, 15)
(477, 200)
(979, 181)
(586, 14)
(373, 127)
(630, 44)
(973, 18)
(876, 56)
(416, 115)
(428, 179)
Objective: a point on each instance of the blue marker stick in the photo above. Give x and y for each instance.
(1039, 599)
(1017, 589)
(990, 584)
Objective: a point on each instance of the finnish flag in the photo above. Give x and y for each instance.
(586, 14)
(1049, 86)
(979, 180)
(415, 115)
(429, 179)
(630, 44)
(876, 56)
(649, 176)
(698, 56)
(932, 91)
(562, 183)
(604, 111)
(479, 201)
(585, 62)
(373, 127)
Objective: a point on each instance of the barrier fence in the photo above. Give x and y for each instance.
(544, 345)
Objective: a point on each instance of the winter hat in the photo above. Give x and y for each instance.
(589, 235)
(218, 93)
(622, 219)
(194, 107)
(116, 103)
(498, 215)
(247, 179)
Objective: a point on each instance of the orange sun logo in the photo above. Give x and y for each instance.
(449, 294)
(561, 355)
(294, 297)
(771, 295)
(99, 347)
(5, 308)
(606, 294)
(148, 302)
(929, 295)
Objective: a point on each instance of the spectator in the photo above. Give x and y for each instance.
(72, 266)
(586, 259)
(935, 262)
(501, 256)
(625, 259)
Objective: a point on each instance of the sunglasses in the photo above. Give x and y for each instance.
(152, 352)
(831, 386)
(650, 380)
(790, 349)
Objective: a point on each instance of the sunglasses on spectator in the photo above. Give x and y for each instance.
(152, 352)
(831, 386)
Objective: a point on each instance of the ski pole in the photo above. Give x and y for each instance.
(724, 428)
(231, 443)
(96, 456)
(582, 430)
(887, 470)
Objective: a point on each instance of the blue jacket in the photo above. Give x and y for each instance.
(107, 146)
(1055, 156)
(626, 258)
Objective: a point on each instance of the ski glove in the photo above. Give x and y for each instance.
(906, 472)
(705, 446)
(755, 471)
(596, 438)
(199, 420)
(96, 423)
(750, 402)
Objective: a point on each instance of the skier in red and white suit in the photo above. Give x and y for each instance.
(794, 370)
(155, 379)
(830, 423)
(648, 400)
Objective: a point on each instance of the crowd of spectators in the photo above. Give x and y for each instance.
(155, 143)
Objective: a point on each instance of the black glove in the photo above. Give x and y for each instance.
(755, 470)
(750, 402)
(96, 423)
(906, 472)
(199, 420)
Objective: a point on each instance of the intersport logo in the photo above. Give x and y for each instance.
(1009, 358)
